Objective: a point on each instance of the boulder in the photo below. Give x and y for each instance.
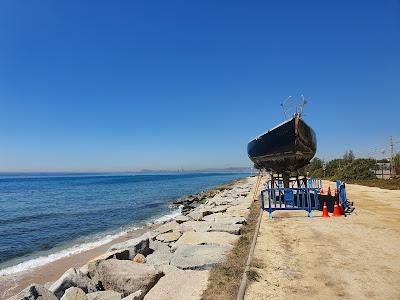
(104, 295)
(84, 269)
(219, 201)
(125, 276)
(167, 268)
(195, 226)
(169, 236)
(238, 211)
(188, 285)
(122, 254)
(199, 213)
(161, 256)
(198, 257)
(135, 246)
(74, 293)
(158, 246)
(209, 238)
(219, 209)
(167, 227)
(180, 219)
(72, 278)
(135, 296)
(224, 227)
(33, 292)
(139, 258)
(208, 226)
(224, 218)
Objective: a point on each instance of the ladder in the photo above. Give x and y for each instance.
(257, 187)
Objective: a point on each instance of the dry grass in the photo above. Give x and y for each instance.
(390, 184)
(224, 280)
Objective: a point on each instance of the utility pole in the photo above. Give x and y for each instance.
(392, 143)
(391, 148)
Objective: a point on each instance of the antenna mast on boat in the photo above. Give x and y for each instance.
(297, 107)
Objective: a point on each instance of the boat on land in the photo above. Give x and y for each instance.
(285, 148)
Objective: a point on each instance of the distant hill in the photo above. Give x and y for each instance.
(208, 170)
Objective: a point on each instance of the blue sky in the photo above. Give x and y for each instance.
(125, 85)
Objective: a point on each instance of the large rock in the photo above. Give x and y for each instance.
(238, 211)
(88, 269)
(125, 276)
(224, 218)
(209, 238)
(135, 296)
(72, 278)
(74, 293)
(168, 237)
(162, 254)
(158, 258)
(33, 292)
(188, 285)
(218, 200)
(195, 226)
(223, 227)
(157, 245)
(135, 246)
(167, 227)
(207, 226)
(199, 213)
(199, 257)
(104, 295)
(180, 219)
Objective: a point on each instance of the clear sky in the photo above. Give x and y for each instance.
(125, 85)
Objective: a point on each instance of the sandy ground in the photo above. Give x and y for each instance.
(12, 284)
(353, 257)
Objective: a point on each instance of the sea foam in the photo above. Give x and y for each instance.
(79, 248)
(76, 249)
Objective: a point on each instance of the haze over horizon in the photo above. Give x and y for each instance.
(99, 86)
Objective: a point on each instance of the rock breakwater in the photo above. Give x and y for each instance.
(168, 262)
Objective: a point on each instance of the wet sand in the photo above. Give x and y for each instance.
(12, 284)
(354, 257)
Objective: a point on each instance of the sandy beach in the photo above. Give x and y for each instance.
(353, 257)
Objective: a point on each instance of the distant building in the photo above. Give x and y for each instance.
(383, 170)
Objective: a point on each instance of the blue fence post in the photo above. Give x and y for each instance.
(309, 203)
(269, 202)
(262, 200)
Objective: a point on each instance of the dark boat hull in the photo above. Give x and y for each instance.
(285, 148)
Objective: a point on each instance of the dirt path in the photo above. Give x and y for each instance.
(357, 257)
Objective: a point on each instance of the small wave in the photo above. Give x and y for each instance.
(76, 249)
(168, 217)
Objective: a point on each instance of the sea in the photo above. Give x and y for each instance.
(45, 217)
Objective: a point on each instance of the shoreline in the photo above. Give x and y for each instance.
(12, 284)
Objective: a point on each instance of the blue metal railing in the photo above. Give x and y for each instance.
(290, 199)
(341, 189)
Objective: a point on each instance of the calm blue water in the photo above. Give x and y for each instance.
(41, 214)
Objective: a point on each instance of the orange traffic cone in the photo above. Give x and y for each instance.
(336, 210)
(341, 208)
(325, 213)
(329, 191)
(321, 192)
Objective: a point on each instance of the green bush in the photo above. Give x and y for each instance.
(359, 168)
(346, 168)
